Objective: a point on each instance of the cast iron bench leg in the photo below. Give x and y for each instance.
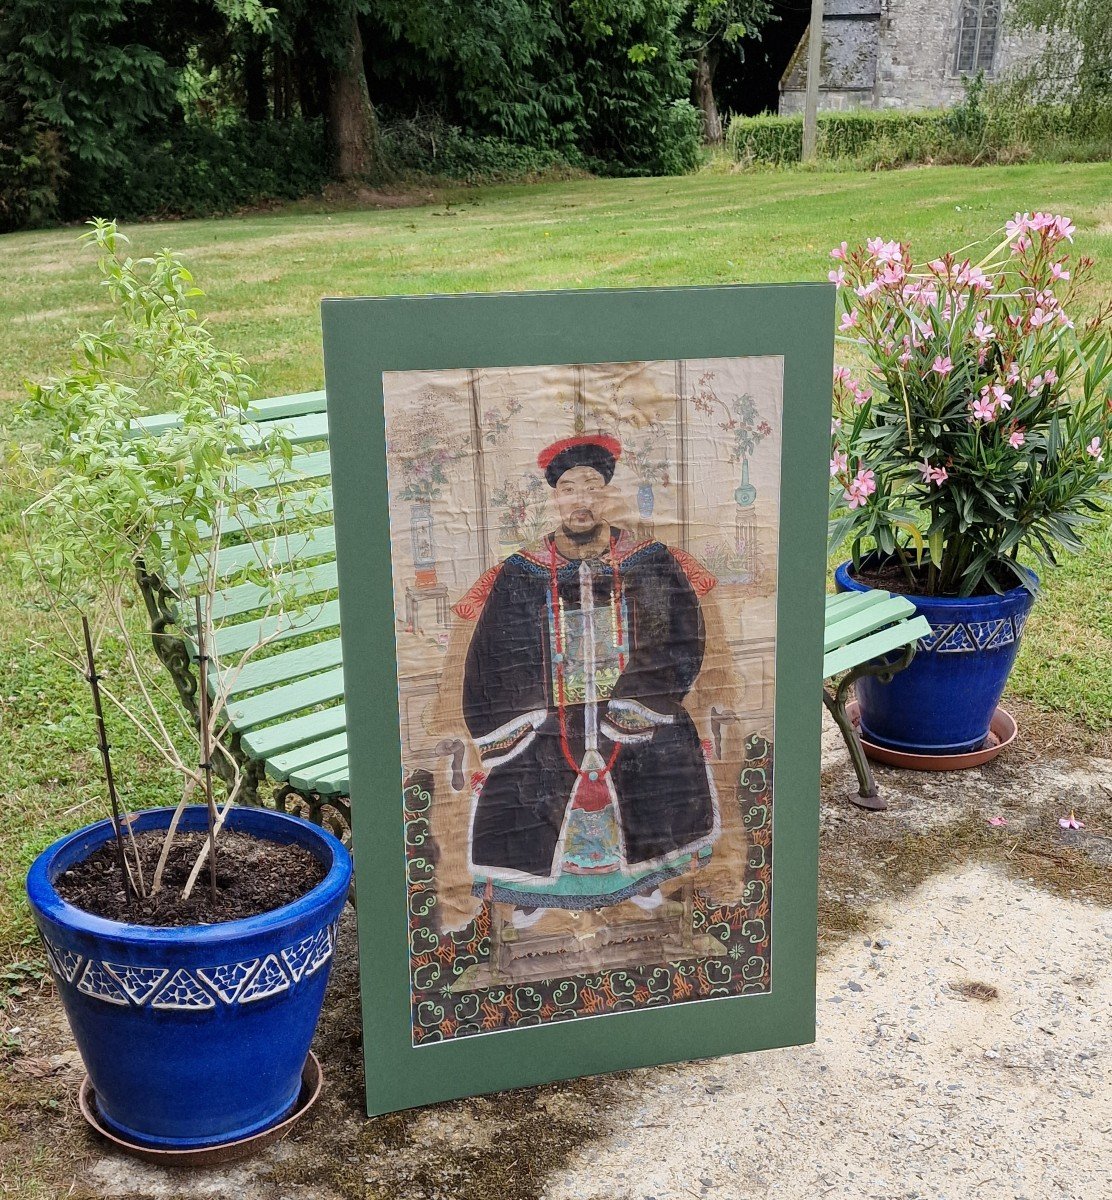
(867, 796)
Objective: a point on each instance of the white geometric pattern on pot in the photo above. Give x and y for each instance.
(297, 957)
(268, 980)
(66, 963)
(983, 632)
(138, 982)
(95, 981)
(233, 983)
(226, 981)
(1020, 621)
(1004, 636)
(182, 991)
(958, 642)
(937, 633)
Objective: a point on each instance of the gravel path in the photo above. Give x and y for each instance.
(913, 1089)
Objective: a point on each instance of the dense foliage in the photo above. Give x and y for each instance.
(196, 106)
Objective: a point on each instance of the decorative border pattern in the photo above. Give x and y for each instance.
(194, 989)
(437, 960)
(968, 636)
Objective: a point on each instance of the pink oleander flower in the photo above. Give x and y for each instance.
(1064, 228)
(838, 463)
(1063, 319)
(861, 394)
(997, 821)
(1071, 822)
(931, 474)
(1021, 245)
(892, 275)
(1039, 318)
(1093, 450)
(995, 395)
(1016, 439)
(1058, 271)
(1035, 386)
(884, 252)
(849, 321)
(862, 487)
(1019, 225)
(982, 332)
(835, 425)
(841, 375)
(1012, 375)
(942, 365)
(905, 358)
(841, 251)
(1050, 378)
(865, 290)
(984, 410)
(837, 277)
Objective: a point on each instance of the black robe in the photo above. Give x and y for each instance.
(664, 799)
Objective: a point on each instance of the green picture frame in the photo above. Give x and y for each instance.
(363, 338)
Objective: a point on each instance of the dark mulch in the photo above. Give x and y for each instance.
(252, 876)
(890, 577)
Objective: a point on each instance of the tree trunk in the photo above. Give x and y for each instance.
(254, 84)
(702, 95)
(351, 126)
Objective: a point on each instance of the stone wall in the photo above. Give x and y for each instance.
(893, 54)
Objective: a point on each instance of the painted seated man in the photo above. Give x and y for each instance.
(594, 788)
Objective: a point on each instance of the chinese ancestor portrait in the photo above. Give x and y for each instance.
(584, 567)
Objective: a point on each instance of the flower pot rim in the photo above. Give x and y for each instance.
(49, 904)
(843, 575)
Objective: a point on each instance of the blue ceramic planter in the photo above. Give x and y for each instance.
(943, 702)
(193, 1036)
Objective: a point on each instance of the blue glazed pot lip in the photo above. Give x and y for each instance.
(46, 901)
(846, 580)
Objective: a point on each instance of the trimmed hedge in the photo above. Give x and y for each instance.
(201, 170)
(967, 133)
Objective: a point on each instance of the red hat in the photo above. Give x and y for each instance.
(597, 450)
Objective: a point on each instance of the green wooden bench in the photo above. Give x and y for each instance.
(287, 709)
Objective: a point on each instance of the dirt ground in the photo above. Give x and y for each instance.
(964, 986)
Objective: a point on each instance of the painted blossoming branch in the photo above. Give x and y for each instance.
(975, 432)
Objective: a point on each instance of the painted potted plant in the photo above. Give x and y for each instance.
(190, 944)
(970, 443)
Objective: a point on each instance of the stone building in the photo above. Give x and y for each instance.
(905, 53)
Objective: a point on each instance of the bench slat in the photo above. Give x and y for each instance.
(848, 629)
(334, 784)
(246, 597)
(311, 776)
(262, 743)
(316, 464)
(272, 409)
(288, 549)
(282, 668)
(232, 639)
(303, 757)
(847, 657)
(287, 699)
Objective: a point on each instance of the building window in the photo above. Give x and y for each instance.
(977, 33)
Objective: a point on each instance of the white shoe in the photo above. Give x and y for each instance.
(522, 918)
(648, 903)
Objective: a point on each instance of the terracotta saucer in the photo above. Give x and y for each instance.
(312, 1079)
(1001, 733)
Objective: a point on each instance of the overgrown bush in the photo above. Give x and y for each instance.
(428, 145)
(202, 169)
(972, 132)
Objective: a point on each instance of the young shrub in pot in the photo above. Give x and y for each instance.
(194, 1027)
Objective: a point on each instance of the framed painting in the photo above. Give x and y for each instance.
(581, 548)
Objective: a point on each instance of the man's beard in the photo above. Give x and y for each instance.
(581, 538)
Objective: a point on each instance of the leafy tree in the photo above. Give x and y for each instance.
(1077, 61)
(711, 29)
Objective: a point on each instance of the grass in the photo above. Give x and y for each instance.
(265, 275)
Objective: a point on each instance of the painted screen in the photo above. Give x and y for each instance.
(584, 564)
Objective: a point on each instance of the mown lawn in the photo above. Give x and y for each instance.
(265, 275)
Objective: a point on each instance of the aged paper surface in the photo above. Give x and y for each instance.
(584, 564)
